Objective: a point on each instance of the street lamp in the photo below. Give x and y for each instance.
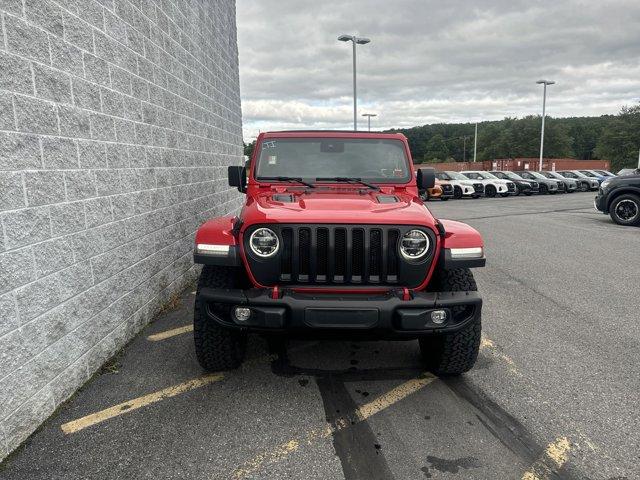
(360, 41)
(369, 115)
(544, 104)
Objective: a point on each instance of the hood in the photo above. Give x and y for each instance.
(337, 205)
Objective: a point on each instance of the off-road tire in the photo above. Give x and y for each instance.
(453, 353)
(217, 348)
(631, 200)
(457, 192)
(490, 191)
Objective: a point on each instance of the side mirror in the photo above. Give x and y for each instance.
(425, 178)
(237, 177)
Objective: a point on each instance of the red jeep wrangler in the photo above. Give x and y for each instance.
(333, 239)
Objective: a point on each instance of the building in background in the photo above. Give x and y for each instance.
(118, 119)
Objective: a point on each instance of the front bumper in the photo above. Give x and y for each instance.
(600, 202)
(373, 315)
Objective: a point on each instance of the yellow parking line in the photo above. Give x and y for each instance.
(553, 459)
(156, 337)
(490, 347)
(126, 407)
(362, 413)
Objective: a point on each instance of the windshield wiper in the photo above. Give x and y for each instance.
(347, 180)
(289, 179)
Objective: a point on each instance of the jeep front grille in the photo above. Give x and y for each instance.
(339, 255)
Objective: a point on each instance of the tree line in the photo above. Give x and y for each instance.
(609, 137)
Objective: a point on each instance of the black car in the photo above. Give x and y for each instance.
(620, 198)
(526, 187)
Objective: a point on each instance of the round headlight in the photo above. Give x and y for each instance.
(414, 244)
(264, 242)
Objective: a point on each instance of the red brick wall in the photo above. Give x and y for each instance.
(522, 164)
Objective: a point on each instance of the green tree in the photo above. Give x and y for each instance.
(620, 139)
(248, 148)
(436, 149)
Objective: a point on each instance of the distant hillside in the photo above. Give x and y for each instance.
(611, 137)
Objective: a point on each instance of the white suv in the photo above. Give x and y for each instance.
(492, 185)
(462, 186)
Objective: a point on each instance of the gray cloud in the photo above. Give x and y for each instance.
(433, 61)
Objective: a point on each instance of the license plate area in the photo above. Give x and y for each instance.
(337, 318)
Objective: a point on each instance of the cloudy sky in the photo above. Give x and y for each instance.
(433, 60)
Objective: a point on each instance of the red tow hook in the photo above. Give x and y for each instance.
(406, 295)
(275, 293)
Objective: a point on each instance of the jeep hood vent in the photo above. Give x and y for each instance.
(283, 197)
(387, 199)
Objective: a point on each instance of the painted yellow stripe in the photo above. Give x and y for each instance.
(156, 337)
(490, 347)
(553, 459)
(393, 396)
(362, 413)
(126, 407)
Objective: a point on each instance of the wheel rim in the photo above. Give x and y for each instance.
(627, 210)
(584, 187)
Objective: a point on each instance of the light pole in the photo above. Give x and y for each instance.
(369, 115)
(544, 104)
(360, 41)
(475, 144)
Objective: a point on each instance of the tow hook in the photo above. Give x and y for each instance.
(275, 293)
(406, 294)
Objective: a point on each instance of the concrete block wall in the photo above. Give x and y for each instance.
(117, 121)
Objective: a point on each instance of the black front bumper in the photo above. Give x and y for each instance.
(372, 315)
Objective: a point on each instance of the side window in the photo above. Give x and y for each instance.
(473, 176)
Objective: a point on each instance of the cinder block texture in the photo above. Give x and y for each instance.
(118, 119)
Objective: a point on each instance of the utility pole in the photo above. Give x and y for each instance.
(360, 41)
(475, 144)
(544, 104)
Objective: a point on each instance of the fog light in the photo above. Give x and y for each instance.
(242, 314)
(438, 316)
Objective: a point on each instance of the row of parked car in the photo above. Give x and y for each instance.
(476, 183)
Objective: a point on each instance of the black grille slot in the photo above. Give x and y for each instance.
(392, 256)
(322, 255)
(285, 260)
(357, 255)
(375, 255)
(341, 254)
(304, 254)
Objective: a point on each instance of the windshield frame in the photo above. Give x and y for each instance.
(404, 181)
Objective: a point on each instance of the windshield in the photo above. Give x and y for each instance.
(537, 175)
(373, 160)
(488, 175)
(442, 176)
(550, 175)
(587, 173)
(457, 176)
(512, 176)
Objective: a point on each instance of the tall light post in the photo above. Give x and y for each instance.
(475, 144)
(369, 115)
(359, 41)
(544, 104)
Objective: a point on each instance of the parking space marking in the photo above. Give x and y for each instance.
(490, 347)
(363, 412)
(156, 337)
(552, 460)
(128, 406)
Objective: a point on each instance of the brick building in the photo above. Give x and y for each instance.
(117, 121)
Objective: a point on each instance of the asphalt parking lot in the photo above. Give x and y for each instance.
(554, 393)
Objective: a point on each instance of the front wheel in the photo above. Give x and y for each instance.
(453, 353)
(625, 210)
(217, 348)
(504, 195)
(543, 189)
(584, 187)
(490, 191)
(457, 192)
